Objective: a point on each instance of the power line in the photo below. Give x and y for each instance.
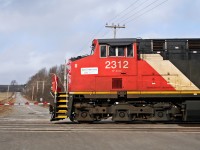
(105, 33)
(135, 2)
(140, 4)
(128, 13)
(88, 42)
(114, 18)
(139, 11)
(146, 12)
(126, 20)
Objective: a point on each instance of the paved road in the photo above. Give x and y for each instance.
(26, 112)
(28, 128)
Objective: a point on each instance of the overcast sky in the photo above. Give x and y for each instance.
(43, 33)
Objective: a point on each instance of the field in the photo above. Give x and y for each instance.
(3, 99)
(4, 95)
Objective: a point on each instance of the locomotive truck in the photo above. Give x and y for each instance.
(132, 79)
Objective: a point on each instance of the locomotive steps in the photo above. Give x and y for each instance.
(61, 106)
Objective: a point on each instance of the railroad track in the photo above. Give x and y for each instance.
(69, 127)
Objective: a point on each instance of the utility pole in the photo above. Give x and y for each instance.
(114, 27)
(43, 82)
(43, 87)
(8, 90)
(33, 92)
(37, 86)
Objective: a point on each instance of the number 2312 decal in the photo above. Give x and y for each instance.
(116, 64)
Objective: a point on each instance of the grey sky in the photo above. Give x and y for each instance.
(42, 33)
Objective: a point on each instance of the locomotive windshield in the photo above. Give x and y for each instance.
(121, 51)
(116, 51)
(116, 47)
(112, 51)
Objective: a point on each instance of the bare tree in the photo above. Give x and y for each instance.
(13, 82)
(39, 85)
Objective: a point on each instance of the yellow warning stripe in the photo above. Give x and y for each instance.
(62, 106)
(194, 92)
(63, 101)
(61, 117)
(62, 111)
(63, 95)
(90, 93)
(168, 92)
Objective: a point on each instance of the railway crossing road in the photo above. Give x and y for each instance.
(26, 112)
(28, 128)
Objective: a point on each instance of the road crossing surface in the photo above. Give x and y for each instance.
(26, 112)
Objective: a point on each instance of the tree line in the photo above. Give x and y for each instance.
(38, 86)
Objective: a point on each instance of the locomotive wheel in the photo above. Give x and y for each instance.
(84, 114)
(122, 114)
(160, 114)
(84, 117)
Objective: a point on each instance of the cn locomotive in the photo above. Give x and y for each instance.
(132, 79)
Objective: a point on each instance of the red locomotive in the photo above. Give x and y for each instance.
(133, 79)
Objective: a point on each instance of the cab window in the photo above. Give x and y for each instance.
(120, 51)
(130, 51)
(116, 51)
(112, 51)
(92, 50)
(103, 51)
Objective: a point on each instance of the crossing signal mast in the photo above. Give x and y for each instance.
(114, 27)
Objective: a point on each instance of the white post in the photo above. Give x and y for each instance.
(37, 86)
(8, 91)
(43, 88)
(32, 92)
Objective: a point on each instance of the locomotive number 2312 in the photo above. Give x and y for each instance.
(116, 64)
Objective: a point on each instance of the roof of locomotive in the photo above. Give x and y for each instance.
(120, 41)
(128, 41)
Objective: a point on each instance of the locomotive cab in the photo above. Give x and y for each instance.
(112, 62)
